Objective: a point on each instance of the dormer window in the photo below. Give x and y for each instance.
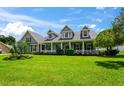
(67, 35)
(85, 33)
(50, 35)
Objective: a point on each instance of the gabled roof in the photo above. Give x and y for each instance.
(85, 28)
(38, 38)
(8, 46)
(66, 28)
(51, 32)
(76, 37)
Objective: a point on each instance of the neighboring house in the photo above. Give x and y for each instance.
(4, 48)
(67, 39)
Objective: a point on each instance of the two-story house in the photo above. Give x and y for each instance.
(67, 39)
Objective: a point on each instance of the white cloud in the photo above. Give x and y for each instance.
(23, 22)
(100, 8)
(100, 29)
(64, 20)
(15, 29)
(89, 25)
(10, 17)
(98, 20)
(92, 25)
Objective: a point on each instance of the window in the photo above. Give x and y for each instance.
(77, 47)
(89, 46)
(85, 33)
(28, 39)
(50, 35)
(48, 47)
(66, 35)
(34, 47)
(70, 35)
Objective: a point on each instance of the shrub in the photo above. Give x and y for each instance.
(17, 57)
(59, 51)
(35, 53)
(38, 53)
(69, 52)
(50, 53)
(44, 53)
(101, 52)
(109, 52)
(78, 53)
(112, 52)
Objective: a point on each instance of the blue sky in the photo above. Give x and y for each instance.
(15, 21)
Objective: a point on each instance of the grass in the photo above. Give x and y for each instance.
(63, 71)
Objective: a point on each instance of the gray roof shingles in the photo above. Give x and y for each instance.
(76, 37)
(37, 37)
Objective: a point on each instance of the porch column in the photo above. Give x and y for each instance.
(51, 47)
(83, 47)
(41, 47)
(31, 49)
(69, 45)
(44, 47)
(61, 45)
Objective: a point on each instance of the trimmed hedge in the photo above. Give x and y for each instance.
(69, 51)
(44, 53)
(38, 53)
(59, 51)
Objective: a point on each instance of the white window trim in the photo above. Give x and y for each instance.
(69, 35)
(87, 34)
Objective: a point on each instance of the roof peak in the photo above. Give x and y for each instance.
(51, 31)
(66, 28)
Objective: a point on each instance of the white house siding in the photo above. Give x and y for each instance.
(28, 36)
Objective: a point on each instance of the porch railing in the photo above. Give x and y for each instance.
(48, 51)
(76, 51)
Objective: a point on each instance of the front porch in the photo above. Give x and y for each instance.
(79, 47)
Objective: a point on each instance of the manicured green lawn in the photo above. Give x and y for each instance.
(63, 70)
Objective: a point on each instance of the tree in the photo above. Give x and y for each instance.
(105, 39)
(3, 38)
(20, 47)
(118, 28)
(10, 40)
